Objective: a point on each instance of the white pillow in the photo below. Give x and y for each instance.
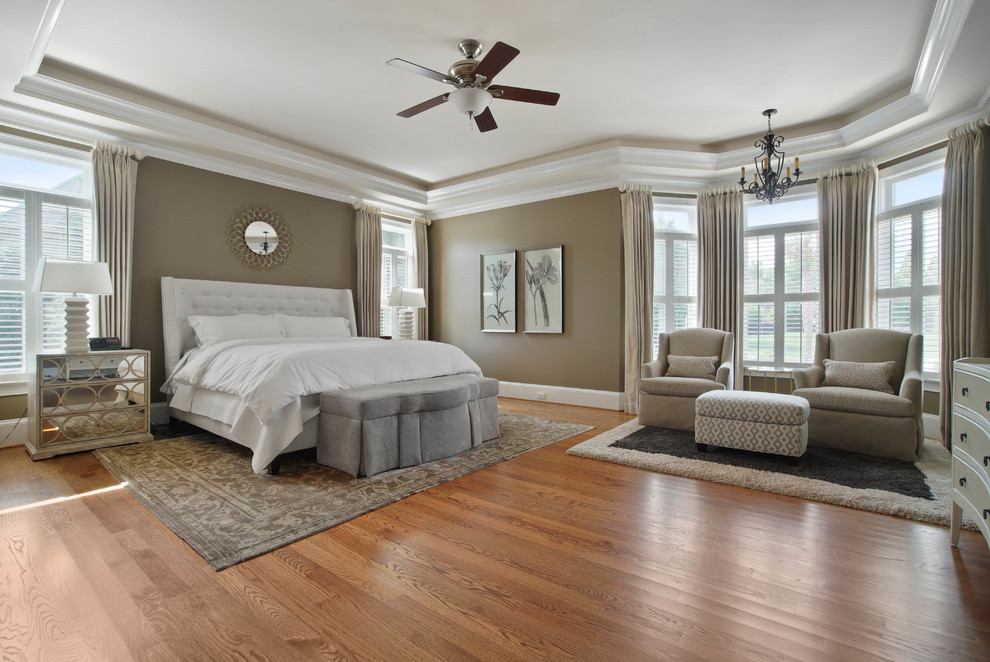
(212, 329)
(314, 327)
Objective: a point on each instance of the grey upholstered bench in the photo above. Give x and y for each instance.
(752, 421)
(370, 429)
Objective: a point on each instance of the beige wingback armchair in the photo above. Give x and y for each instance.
(860, 419)
(668, 401)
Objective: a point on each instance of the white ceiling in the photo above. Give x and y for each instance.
(297, 92)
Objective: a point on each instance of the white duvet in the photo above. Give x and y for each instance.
(270, 376)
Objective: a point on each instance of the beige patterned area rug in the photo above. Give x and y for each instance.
(913, 490)
(202, 486)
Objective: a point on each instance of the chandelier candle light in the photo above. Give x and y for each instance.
(767, 183)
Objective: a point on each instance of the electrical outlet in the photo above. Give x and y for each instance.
(541, 395)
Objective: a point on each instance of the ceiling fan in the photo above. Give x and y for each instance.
(472, 80)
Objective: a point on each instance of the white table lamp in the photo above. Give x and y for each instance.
(406, 299)
(75, 278)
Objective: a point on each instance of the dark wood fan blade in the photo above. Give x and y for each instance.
(426, 105)
(422, 71)
(522, 94)
(485, 120)
(496, 60)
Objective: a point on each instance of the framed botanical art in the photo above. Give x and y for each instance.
(498, 292)
(544, 296)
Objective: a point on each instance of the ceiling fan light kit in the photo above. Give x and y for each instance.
(470, 100)
(472, 79)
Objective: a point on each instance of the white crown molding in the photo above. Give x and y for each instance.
(592, 171)
(943, 31)
(53, 11)
(239, 152)
(228, 138)
(260, 174)
(985, 101)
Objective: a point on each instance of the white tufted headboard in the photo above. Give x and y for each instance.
(182, 297)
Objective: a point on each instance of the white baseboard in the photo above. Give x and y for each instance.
(563, 395)
(16, 430)
(159, 413)
(930, 423)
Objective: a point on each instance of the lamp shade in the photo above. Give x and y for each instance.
(73, 276)
(407, 297)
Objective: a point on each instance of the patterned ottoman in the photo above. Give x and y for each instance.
(764, 422)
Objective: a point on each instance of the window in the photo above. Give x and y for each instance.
(397, 267)
(44, 211)
(781, 308)
(909, 228)
(675, 267)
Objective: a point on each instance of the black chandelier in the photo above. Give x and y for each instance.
(266, 247)
(767, 183)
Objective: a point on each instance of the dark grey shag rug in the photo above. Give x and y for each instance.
(854, 470)
(913, 490)
(202, 487)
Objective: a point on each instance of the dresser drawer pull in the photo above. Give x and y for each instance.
(986, 513)
(962, 482)
(962, 437)
(986, 460)
(965, 391)
(988, 405)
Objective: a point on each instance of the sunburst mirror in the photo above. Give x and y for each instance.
(259, 237)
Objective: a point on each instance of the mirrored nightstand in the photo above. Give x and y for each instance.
(81, 401)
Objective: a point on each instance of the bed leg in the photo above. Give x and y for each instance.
(274, 467)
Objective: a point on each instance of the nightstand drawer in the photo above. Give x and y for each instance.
(968, 483)
(971, 438)
(972, 392)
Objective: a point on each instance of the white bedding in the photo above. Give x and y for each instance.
(271, 377)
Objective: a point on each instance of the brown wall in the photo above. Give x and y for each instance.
(589, 352)
(181, 218)
(12, 406)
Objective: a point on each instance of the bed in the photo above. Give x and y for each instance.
(206, 386)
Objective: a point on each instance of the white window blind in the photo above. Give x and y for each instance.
(48, 217)
(675, 268)
(781, 296)
(907, 258)
(397, 268)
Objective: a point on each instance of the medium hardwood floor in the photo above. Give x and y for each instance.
(545, 556)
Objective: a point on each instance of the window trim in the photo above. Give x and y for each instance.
(669, 237)
(405, 227)
(779, 298)
(928, 162)
(917, 291)
(34, 201)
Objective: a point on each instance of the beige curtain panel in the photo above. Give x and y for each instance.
(421, 251)
(637, 251)
(847, 210)
(965, 268)
(114, 185)
(369, 270)
(720, 256)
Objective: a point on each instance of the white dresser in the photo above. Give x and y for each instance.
(971, 444)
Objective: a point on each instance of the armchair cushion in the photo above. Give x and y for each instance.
(685, 387)
(856, 400)
(699, 367)
(853, 374)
